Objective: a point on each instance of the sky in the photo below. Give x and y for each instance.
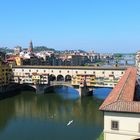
(101, 25)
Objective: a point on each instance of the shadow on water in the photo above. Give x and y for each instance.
(14, 89)
(46, 116)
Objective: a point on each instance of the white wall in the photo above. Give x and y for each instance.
(128, 126)
(64, 72)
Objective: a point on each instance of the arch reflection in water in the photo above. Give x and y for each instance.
(101, 93)
(65, 92)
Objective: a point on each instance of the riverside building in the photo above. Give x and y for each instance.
(122, 109)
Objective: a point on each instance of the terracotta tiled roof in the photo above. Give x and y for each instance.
(11, 59)
(121, 97)
(73, 67)
(123, 106)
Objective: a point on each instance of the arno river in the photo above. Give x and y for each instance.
(28, 116)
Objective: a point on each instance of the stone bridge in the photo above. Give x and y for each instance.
(41, 77)
(83, 91)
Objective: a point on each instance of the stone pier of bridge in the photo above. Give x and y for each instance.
(84, 91)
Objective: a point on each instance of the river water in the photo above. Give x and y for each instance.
(28, 116)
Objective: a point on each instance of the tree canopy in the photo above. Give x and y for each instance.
(42, 48)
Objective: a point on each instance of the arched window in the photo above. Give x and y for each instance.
(52, 77)
(60, 78)
(67, 78)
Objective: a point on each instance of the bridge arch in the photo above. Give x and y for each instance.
(68, 78)
(52, 88)
(52, 77)
(136, 139)
(60, 78)
(12, 86)
(26, 86)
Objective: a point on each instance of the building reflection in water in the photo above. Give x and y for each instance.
(51, 107)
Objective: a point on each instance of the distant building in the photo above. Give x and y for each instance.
(72, 59)
(14, 60)
(24, 58)
(137, 62)
(106, 56)
(93, 57)
(17, 50)
(46, 58)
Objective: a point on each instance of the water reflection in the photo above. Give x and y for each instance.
(67, 93)
(101, 93)
(51, 112)
(54, 107)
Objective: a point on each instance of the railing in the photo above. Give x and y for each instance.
(60, 83)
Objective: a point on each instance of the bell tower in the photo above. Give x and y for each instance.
(30, 49)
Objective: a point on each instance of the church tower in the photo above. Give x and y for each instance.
(30, 49)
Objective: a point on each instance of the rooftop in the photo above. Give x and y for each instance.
(121, 98)
(72, 67)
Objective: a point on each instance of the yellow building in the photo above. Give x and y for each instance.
(36, 78)
(39, 78)
(83, 79)
(5, 73)
(18, 61)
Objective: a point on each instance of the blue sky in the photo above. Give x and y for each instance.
(100, 25)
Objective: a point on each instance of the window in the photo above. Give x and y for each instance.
(85, 72)
(139, 127)
(112, 72)
(114, 125)
(44, 70)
